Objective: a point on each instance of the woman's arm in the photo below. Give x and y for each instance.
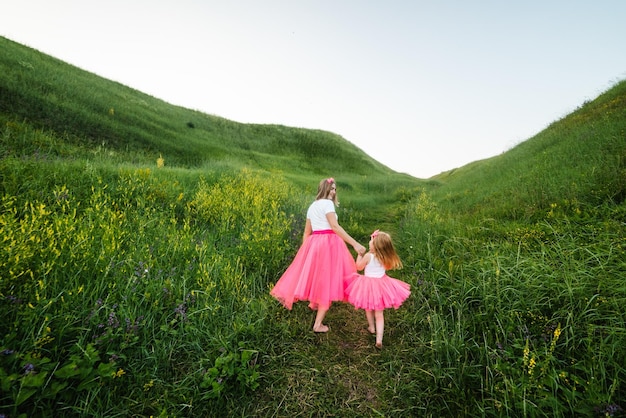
(307, 230)
(338, 229)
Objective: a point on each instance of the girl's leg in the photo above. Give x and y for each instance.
(371, 326)
(380, 327)
(319, 318)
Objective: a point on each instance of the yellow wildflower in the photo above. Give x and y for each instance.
(531, 365)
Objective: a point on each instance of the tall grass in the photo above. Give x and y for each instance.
(520, 322)
(138, 287)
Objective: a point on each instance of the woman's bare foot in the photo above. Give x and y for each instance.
(321, 329)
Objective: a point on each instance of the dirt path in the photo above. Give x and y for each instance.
(331, 374)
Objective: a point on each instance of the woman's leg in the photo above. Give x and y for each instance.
(319, 318)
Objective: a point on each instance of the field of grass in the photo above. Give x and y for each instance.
(140, 241)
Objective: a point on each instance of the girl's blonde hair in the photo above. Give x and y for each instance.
(385, 250)
(324, 188)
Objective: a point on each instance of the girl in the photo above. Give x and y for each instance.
(375, 291)
(323, 265)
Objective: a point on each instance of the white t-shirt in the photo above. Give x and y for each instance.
(317, 214)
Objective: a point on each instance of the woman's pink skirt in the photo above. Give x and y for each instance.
(320, 272)
(377, 293)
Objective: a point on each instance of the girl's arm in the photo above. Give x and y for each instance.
(362, 260)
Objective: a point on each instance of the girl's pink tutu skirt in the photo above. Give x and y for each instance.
(377, 293)
(320, 272)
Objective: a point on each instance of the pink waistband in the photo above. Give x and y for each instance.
(323, 231)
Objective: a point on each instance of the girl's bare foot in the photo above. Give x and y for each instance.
(320, 329)
(379, 345)
(371, 330)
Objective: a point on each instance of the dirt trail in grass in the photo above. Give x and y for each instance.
(339, 373)
(356, 357)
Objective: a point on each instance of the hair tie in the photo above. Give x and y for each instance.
(375, 233)
(330, 180)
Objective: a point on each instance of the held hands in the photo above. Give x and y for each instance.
(359, 249)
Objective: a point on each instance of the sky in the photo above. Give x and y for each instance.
(421, 86)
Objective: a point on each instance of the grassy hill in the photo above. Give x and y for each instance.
(580, 158)
(87, 111)
(55, 113)
(140, 241)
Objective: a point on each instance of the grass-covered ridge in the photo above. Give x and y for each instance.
(140, 241)
(580, 158)
(88, 111)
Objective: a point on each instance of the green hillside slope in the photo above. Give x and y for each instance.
(88, 111)
(580, 158)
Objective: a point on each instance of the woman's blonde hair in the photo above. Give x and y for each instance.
(324, 188)
(385, 250)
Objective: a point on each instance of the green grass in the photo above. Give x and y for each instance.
(131, 288)
(580, 158)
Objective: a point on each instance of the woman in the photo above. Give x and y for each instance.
(323, 266)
